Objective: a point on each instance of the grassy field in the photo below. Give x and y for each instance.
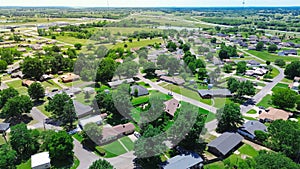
(122, 30)
(272, 57)
(186, 92)
(275, 72)
(140, 100)
(266, 101)
(113, 149)
(17, 84)
(127, 142)
(25, 165)
(136, 44)
(248, 150)
(72, 40)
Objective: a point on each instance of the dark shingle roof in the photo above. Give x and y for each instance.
(81, 109)
(214, 92)
(226, 142)
(182, 161)
(141, 90)
(4, 127)
(253, 125)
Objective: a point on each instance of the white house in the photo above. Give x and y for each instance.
(40, 161)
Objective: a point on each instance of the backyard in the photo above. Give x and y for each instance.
(272, 57)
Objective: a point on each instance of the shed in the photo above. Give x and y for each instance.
(171, 106)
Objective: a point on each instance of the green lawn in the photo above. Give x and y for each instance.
(252, 111)
(272, 57)
(146, 85)
(186, 92)
(72, 40)
(220, 102)
(287, 80)
(140, 100)
(43, 110)
(266, 101)
(17, 84)
(216, 165)
(275, 72)
(113, 149)
(2, 141)
(78, 137)
(25, 165)
(279, 86)
(127, 142)
(210, 116)
(249, 118)
(81, 98)
(50, 85)
(248, 150)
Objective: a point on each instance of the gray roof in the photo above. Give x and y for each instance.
(253, 62)
(214, 92)
(252, 125)
(226, 142)
(118, 82)
(182, 161)
(81, 109)
(4, 127)
(93, 119)
(141, 90)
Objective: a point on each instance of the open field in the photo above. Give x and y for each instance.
(272, 57)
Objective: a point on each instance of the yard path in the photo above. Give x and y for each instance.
(123, 145)
(55, 80)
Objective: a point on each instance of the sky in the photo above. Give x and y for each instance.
(149, 3)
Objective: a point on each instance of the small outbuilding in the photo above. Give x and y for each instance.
(40, 161)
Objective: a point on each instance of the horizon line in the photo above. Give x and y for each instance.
(152, 6)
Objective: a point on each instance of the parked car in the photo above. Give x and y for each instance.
(137, 135)
(53, 122)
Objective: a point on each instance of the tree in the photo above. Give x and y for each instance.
(202, 73)
(273, 160)
(232, 85)
(261, 135)
(101, 51)
(105, 101)
(149, 68)
(223, 54)
(284, 136)
(101, 164)
(121, 99)
(78, 46)
(23, 141)
(284, 98)
(292, 69)
(272, 48)
(268, 62)
(55, 49)
(241, 67)
(259, 46)
(62, 108)
(280, 62)
(106, 70)
(162, 61)
(33, 67)
(213, 40)
(60, 146)
(36, 91)
(3, 65)
(93, 132)
(246, 88)
(6, 94)
(171, 46)
(227, 68)
(173, 65)
(16, 106)
(229, 118)
(8, 157)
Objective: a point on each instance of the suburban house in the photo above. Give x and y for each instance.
(225, 144)
(188, 160)
(81, 109)
(253, 63)
(137, 91)
(40, 161)
(296, 79)
(248, 129)
(70, 77)
(294, 86)
(174, 80)
(27, 83)
(159, 73)
(171, 106)
(18, 74)
(116, 83)
(4, 127)
(288, 52)
(274, 114)
(112, 133)
(207, 94)
(93, 119)
(257, 72)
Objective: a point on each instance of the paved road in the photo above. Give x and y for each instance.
(265, 90)
(39, 116)
(178, 96)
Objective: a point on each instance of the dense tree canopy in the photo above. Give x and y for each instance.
(106, 70)
(6, 94)
(62, 109)
(8, 157)
(36, 91)
(101, 164)
(241, 67)
(16, 106)
(259, 46)
(292, 69)
(227, 51)
(284, 98)
(3, 65)
(33, 67)
(272, 48)
(93, 132)
(229, 118)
